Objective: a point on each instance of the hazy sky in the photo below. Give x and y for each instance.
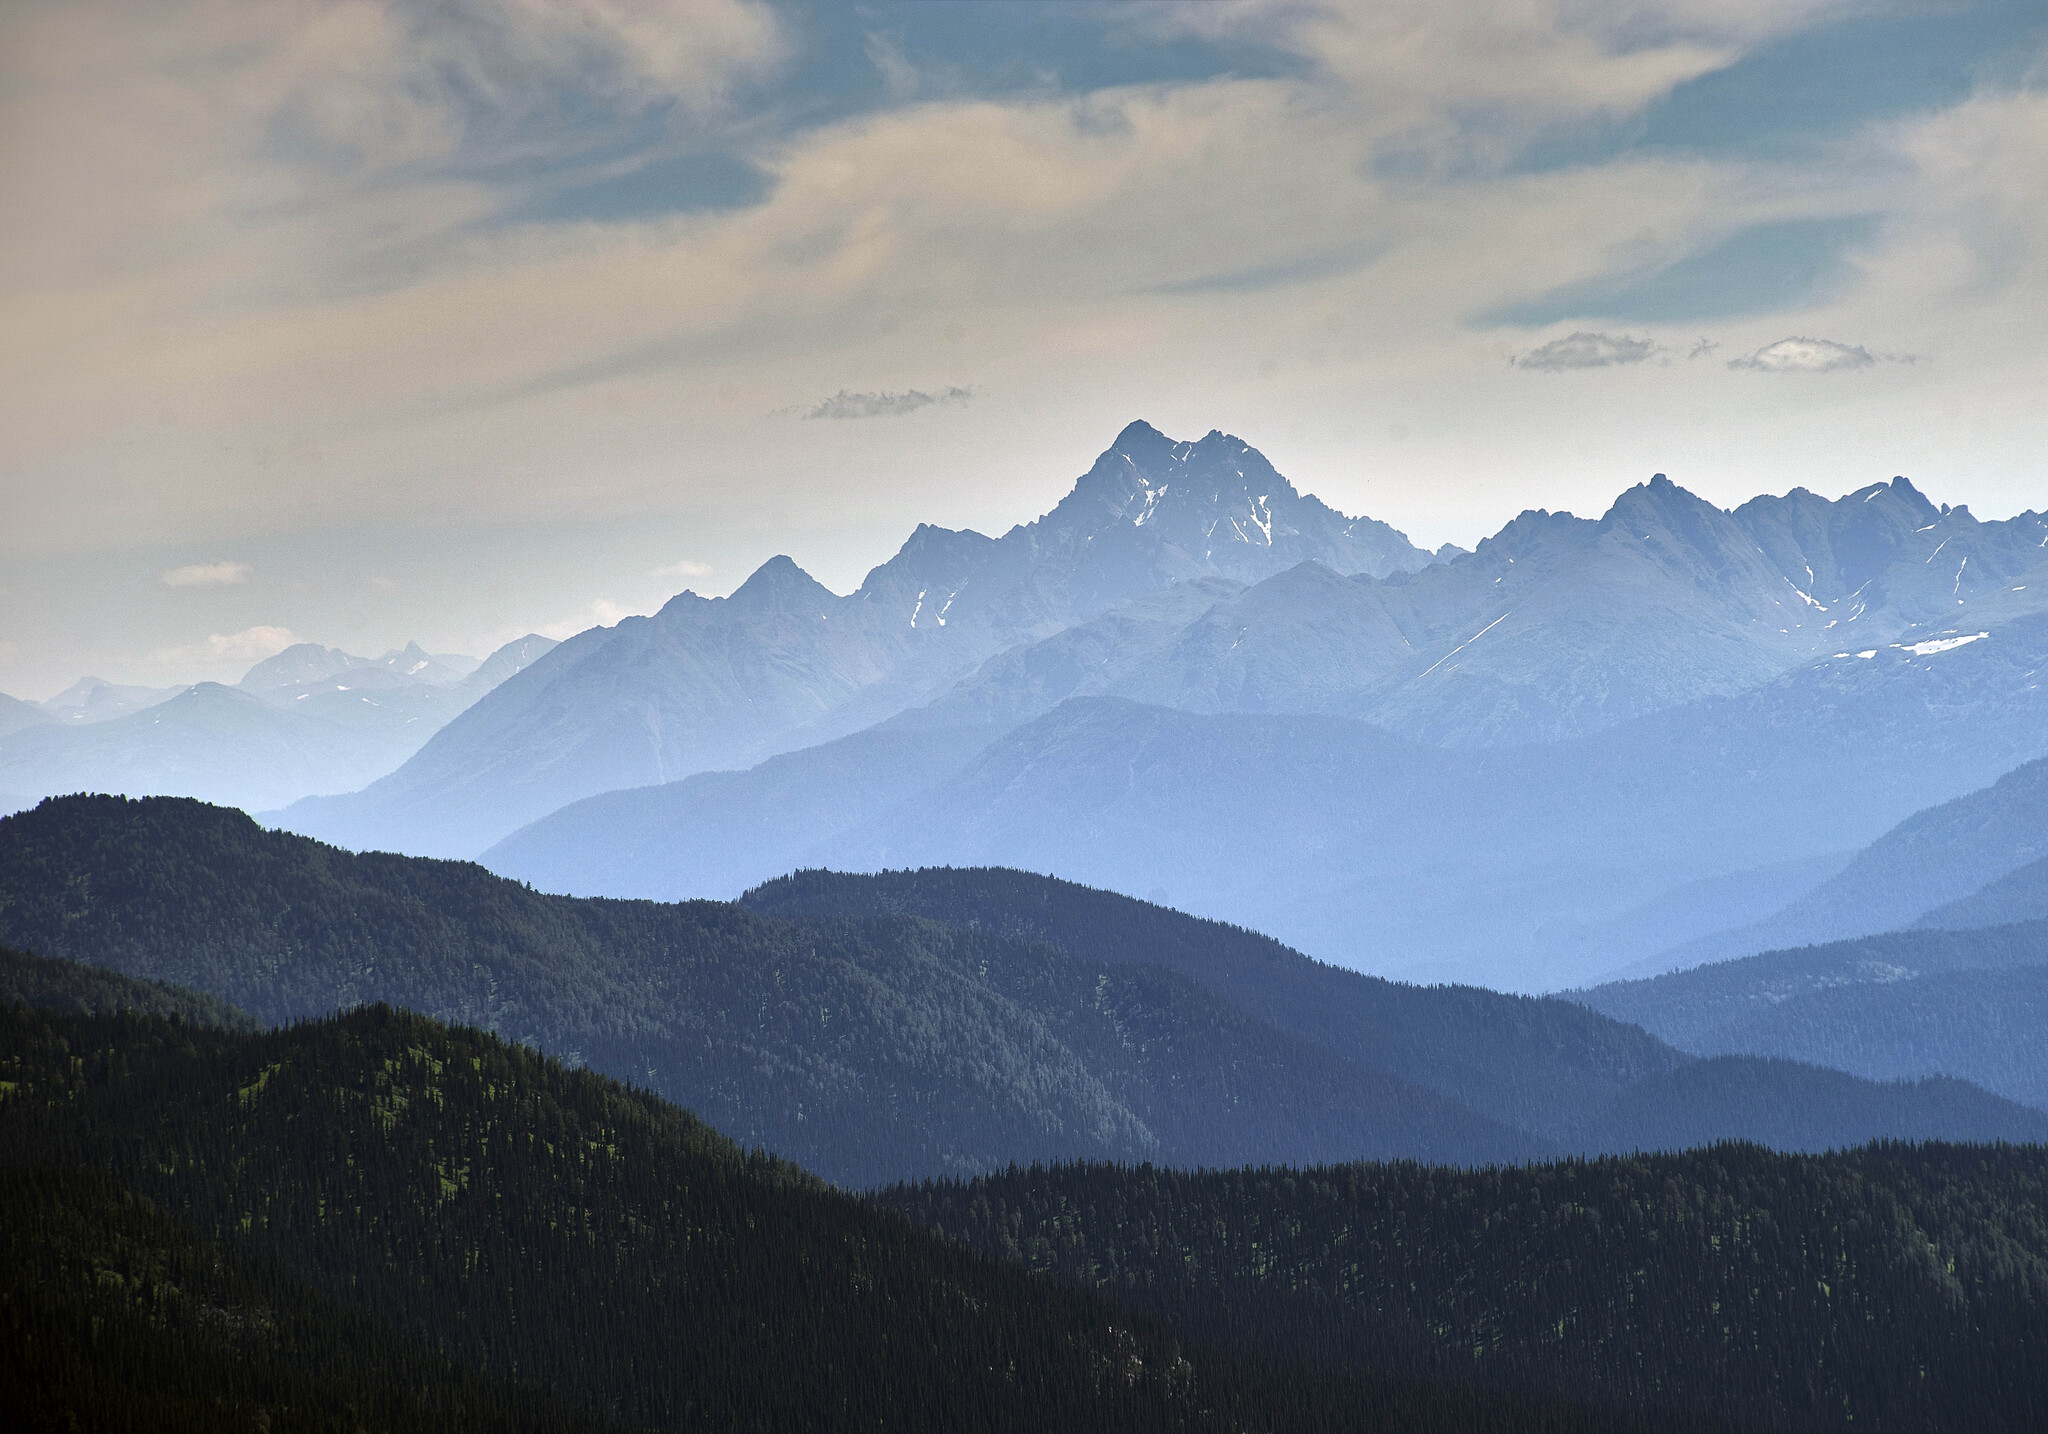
(366, 321)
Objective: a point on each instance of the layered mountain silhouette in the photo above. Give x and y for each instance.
(1341, 838)
(715, 683)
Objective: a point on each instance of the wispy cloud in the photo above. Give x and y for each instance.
(687, 568)
(251, 644)
(1588, 350)
(1798, 355)
(847, 404)
(207, 575)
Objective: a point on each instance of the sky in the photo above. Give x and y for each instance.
(372, 321)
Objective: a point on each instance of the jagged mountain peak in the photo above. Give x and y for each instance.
(1220, 506)
(1139, 436)
(1899, 495)
(1659, 495)
(1675, 519)
(779, 584)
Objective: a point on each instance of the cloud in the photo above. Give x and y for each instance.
(846, 404)
(251, 644)
(1805, 356)
(1588, 350)
(602, 612)
(687, 568)
(207, 575)
(1782, 264)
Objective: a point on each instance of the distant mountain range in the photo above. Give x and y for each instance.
(707, 684)
(947, 1022)
(311, 719)
(1587, 743)
(1192, 576)
(1555, 626)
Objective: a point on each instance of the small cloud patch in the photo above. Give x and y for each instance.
(847, 404)
(687, 568)
(1587, 350)
(1806, 356)
(251, 644)
(207, 575)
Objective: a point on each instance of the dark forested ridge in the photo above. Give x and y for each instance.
(1892, 1287)
(320, 1215)
(1533, 1061)
(876, 1045)
(1584, 1084)
(869, 1049)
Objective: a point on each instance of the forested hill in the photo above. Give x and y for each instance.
(379, 1203)
(869, 1049)
(1893, 1288)
(56, 985)
(1582, 1078)
(1543, 1064)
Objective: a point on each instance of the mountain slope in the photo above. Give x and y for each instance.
(1970, 1003)
(2020, 895)
(1989, 1027)
(16, 714)
(1537, 1063)
(717, 833)
(708, 684)
(116, 1316)
(867, 1049)
(1937, 856)
(1408, 860)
